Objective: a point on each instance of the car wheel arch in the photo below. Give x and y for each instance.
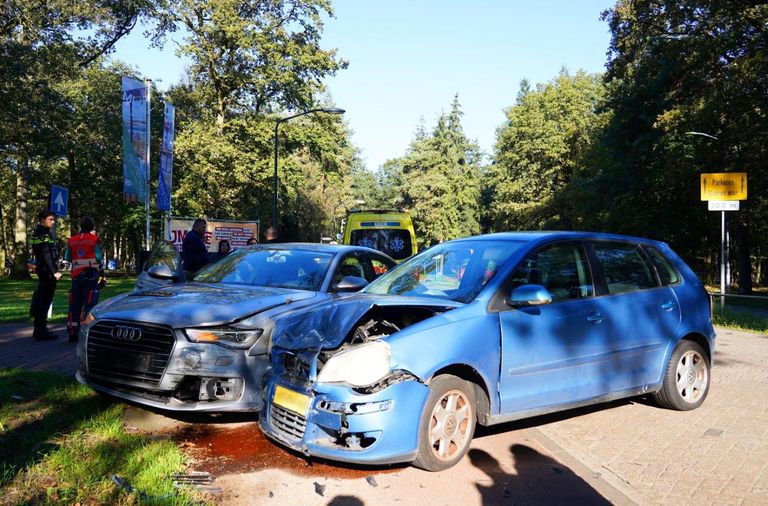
(700, 340)
(471, 375)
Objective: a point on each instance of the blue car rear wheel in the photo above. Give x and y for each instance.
(687, 378)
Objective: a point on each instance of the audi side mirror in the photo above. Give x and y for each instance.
(350, 284)
(162, 271)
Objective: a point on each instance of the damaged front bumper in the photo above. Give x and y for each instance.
(166, 371)
(335, 422)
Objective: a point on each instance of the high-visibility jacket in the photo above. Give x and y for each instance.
(84, 251)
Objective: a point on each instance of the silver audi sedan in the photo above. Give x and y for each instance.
(202, 345)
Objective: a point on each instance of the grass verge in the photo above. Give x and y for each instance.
(16, 296)
(61, 443)
(741, 319)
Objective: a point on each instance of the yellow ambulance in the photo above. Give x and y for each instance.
(385, 230)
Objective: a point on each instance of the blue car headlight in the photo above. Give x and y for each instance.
(228, 336)
(360, 366)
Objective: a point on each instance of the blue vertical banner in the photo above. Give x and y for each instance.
(135, 140)
(165, 178)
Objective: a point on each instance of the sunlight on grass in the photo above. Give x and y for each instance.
(16, 296)
(61, 443)
(740, 320)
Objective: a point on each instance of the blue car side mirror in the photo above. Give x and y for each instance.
(529, 295)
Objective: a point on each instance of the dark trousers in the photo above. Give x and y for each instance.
(83, 295)
(46, 287)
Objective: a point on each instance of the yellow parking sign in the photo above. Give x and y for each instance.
(724, 186)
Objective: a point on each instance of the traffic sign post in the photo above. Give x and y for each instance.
(59, 201)
(723, 191)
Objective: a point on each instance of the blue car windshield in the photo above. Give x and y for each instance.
(282, 268)
(457, 271)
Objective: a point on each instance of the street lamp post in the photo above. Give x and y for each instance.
(327, 110)
(723, 238)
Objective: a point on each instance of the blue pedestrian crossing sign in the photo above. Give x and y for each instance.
(59, 200)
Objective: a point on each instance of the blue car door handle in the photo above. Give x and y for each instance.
(595, 318)
(668, 306)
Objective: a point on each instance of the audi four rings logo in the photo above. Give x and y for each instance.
(124, 333)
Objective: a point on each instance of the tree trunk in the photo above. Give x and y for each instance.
(74, 216)
(20, 228)
(742, 248)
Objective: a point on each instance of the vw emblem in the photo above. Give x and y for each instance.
(123, 333)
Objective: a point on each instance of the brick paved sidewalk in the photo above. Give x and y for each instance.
(717, 454)
(18, 349)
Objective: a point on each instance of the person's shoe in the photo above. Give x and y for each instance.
(44, 335)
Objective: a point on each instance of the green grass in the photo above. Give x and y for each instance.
(60, 443)
(16, 296)
(740, 318)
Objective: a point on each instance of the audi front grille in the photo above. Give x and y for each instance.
(129, 353)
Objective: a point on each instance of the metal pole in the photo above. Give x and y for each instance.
(146, 199)
(722, 263)
(330, 110)
(274, 181)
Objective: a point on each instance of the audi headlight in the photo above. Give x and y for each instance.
(360, 366)
(228, 336)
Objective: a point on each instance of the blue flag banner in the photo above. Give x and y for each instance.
(135, 140)
(165, 178)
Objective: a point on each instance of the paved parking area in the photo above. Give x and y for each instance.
(626, 452)
(717, 454)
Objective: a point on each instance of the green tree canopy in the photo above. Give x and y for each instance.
(548, 139)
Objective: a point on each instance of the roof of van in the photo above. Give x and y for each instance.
(377, 211)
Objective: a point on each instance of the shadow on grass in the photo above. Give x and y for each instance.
(23, 393)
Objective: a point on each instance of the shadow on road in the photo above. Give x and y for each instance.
(538, 480)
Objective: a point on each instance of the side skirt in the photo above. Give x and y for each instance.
(530, 413)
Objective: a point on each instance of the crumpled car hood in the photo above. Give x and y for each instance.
(192, 304)
(326, 325)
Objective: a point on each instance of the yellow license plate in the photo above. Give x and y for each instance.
(293, 401)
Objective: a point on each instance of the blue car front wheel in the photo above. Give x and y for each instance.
(447, 423)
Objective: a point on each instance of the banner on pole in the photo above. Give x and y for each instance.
(135, 140)
(165, 178)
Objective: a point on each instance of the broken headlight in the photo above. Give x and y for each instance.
(359, 366)
(228, 336)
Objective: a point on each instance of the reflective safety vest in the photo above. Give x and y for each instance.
(82, 248)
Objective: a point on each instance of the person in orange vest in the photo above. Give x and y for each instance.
(84, 251)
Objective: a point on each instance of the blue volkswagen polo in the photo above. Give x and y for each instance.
(486, 330)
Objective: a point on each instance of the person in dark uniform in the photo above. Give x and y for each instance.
(47, 260)
(270, 235)
(84, 251)
(193, 249)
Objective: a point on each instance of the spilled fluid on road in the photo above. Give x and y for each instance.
(243, 449)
